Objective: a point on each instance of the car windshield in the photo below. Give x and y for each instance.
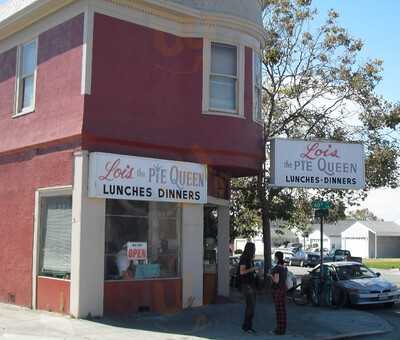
(354, 271)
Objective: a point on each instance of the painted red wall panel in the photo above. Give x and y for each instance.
(147, 100)
(59, 104)
(7, 82)
(20, 176)
(53, 295)
(126, 297)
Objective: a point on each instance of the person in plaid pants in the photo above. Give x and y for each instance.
(279, 275)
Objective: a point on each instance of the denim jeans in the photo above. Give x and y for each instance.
(249, 294)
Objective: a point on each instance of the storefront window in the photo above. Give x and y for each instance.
(142, 240)
(55, 237)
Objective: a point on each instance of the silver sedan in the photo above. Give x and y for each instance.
(358, 285)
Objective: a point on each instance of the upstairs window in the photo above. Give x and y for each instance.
(224, 78)
(26, 78)
(257, 78)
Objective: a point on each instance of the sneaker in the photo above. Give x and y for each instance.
(251, 330)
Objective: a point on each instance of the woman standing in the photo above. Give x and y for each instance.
(247, 281)
(279, 275)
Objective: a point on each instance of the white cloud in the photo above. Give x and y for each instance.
(384, 203)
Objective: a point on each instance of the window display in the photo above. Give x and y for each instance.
(142, 240)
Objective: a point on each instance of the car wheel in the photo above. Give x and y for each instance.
(340, 298)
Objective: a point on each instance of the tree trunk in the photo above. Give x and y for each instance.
(266, 226)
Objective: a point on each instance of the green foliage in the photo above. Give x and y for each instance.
(362, 215)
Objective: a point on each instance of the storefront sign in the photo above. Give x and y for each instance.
(317, 164)
(146, 179)
(137, 250)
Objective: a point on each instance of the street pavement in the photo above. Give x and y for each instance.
(220, 321)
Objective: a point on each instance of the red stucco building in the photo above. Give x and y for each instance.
(91, 89)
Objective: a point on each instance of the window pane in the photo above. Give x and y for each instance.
(126, 207)
(257, 70)
(223, 93)
(27, 92)
(155, 224)
(223, 59)
(28, 59)
(55, 232)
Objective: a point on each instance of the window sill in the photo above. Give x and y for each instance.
(53, 278)
(23, 112)
(232, 114)
(149, 279)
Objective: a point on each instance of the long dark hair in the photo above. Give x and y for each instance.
(279, 258)
(249, 250)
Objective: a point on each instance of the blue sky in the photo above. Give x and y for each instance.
(376, 23)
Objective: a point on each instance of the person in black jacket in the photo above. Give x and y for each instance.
(247, 281)
(279, 275)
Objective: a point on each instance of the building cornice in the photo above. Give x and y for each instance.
(188, 19)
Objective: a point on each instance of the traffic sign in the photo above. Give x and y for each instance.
(322, 205)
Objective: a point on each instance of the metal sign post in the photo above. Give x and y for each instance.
(322, 210)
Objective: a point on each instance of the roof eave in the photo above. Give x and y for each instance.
(29, 15)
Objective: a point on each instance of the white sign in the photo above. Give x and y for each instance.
(146, 179)
(317, 164)
(137, 251)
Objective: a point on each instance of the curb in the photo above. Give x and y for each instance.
(353, 335)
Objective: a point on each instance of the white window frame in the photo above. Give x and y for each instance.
(207, 109)
(18, 110)
(39, 194)
(257, 116)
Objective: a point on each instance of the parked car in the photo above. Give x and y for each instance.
(287, 254)
(299, 259)
(312, 260)
(354, 284)
(337, 255)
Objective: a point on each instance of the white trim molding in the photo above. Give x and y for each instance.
(39, 194)
(87, 51)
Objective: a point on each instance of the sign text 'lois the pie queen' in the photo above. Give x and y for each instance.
(146, 179)
(317, 164)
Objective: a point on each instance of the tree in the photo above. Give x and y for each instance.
(316, 87)
(363, 215)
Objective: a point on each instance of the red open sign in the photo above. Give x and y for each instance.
(137, 250)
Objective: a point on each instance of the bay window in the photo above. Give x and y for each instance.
(26, 78)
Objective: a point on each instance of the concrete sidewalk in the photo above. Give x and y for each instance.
(212, 322)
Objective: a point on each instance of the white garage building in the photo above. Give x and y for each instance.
(332, 235)
(372, 239)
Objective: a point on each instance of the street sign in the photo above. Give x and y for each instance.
(322, 205)
(321, 213)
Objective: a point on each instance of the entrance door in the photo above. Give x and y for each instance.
(210, 254)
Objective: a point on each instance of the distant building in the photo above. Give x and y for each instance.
(367, 239)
